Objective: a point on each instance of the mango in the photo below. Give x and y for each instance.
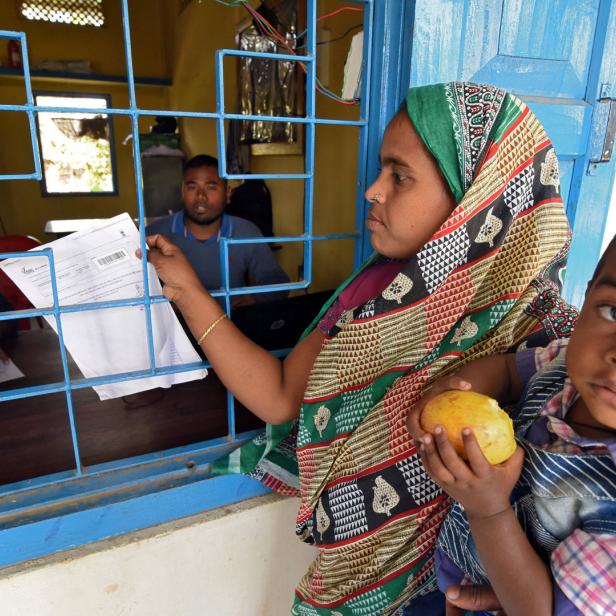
(455, 410)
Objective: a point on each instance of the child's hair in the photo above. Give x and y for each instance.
(602, 260)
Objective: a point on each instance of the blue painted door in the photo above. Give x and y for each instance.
(557, 55)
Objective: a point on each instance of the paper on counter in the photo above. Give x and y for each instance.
(99, 264)
(9, 371)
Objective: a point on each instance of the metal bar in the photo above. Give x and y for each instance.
(38, 390)
(224, 270)
(208, 115)
(364, 112)
(65, 370)
(37, 174)
(289, 238)
(138, 183)
(311, 87)
(109, 474)
(271, 56)
(30, 99)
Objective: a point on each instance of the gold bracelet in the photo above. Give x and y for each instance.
(210, 328)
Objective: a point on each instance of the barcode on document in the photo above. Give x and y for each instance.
(111, 258)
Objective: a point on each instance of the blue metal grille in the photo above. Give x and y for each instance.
(167, 461)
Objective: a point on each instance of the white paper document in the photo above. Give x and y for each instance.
(95, 265)
(9, 371)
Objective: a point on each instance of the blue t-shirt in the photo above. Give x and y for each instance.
(249, 264)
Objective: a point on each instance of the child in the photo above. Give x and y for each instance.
(542, 525)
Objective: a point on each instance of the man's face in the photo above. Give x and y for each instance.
(204, 195)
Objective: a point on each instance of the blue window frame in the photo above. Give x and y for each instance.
(47, 514)
(123, 495)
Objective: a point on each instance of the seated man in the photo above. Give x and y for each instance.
(198, 227)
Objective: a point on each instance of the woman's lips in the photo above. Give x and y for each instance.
(373, 223)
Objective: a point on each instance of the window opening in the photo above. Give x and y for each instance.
(74, 12)
(76, 148)
(152, 470)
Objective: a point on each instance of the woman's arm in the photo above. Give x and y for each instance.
(521, 580)
(270, 388)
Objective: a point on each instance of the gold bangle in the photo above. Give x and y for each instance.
(210, 328)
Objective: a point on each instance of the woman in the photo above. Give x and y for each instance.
(470, 234)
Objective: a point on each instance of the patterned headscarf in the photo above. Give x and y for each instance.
(485, 281)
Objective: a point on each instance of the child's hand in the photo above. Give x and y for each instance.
(438, 387)
(483, 489)
(471, 598)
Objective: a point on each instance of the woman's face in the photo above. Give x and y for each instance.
(412, 198)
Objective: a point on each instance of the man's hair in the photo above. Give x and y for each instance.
(201, 160)
(604, 257)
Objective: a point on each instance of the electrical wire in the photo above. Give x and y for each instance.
(338, 38)
(268, 30)
(336, 12)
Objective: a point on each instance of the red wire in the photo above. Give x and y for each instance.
(340, 10)
(262, 19)
(277, 36)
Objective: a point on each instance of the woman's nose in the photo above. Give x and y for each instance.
(369, 192)
(373, 194)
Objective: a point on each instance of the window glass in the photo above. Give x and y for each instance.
(75, 147)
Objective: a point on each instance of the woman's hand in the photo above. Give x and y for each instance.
(177, 274)
(438, 387)
(483, 489)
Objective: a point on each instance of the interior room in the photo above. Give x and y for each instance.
(173, 53)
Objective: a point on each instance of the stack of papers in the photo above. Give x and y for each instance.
(98, 265)
(9, 371)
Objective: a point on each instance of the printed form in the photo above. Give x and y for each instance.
(95, 265)
(9, 371)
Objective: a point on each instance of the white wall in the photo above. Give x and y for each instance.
(610, 223)
(238, 560)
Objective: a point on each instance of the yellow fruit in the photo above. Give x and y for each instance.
(455, 410)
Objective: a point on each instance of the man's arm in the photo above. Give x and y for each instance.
(263, 268)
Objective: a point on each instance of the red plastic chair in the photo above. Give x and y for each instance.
(14, 243)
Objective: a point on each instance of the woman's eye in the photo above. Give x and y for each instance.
(399, 178)
(608, 312)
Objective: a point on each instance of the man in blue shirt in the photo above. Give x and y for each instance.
(198, 228)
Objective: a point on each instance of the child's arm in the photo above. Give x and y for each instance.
(521, 580)
(495, 376)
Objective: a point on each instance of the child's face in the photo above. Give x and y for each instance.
(591, 356)
(412, 197)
